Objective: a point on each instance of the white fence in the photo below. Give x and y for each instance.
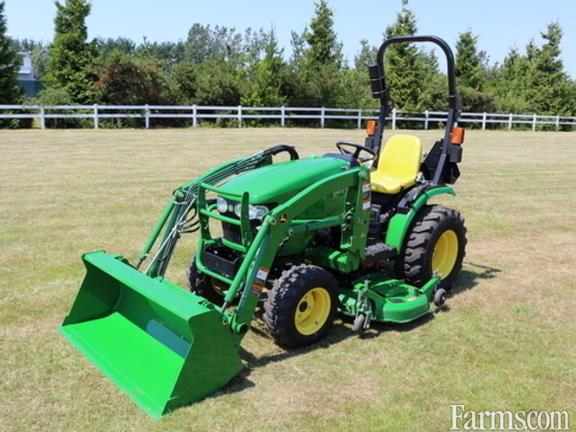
(196, 114)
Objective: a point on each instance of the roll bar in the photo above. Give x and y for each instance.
(380, 90)
(452, 96)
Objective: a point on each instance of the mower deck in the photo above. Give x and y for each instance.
(387, 300)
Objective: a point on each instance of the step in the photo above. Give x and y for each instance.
(377, 253)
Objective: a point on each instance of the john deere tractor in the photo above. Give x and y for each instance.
(349, 232)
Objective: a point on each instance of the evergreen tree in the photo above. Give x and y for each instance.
(71, 62)
(471, 75)
(408, 73)
(10, 92)
(508, 86)
(318, 71)
(356, 84)
(468, 61)
(549, 89)
(323, 46)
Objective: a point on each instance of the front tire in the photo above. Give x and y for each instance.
(435, 244)
(301, 306)
(202, 284)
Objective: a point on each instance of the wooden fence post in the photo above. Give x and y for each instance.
(394, 119)
(483, 121)
(510, 121)
(322, 119)
(283, 116)
(147, 116)
(239, 116)
(534, 123)
(426, 119)
(359, 121)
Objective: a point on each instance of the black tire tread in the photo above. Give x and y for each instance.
(413, 260)
(200, 284)
(286, 292)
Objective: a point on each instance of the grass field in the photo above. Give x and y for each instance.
(507, 341)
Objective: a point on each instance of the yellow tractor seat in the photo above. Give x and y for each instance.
(398, 164)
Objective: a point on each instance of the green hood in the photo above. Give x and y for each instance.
(278, 182)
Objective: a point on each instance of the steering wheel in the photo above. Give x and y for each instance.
(342, 147)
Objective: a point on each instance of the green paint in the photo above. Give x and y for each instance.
(389, 300)
(163, 346)
(167, 347)
(400, 222)
(278, 182)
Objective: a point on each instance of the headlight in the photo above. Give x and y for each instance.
(221, 205)
(254, 211)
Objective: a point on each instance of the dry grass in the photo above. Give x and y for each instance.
(507, 341)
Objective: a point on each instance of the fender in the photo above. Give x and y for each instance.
(400, 222)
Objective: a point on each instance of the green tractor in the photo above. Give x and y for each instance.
(298, 241)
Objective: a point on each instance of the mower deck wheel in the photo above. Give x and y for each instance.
(440, 297)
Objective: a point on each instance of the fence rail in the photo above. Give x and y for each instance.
(197, 113)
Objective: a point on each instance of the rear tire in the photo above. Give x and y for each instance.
(301, 306)
(202, 285)
(436, 243)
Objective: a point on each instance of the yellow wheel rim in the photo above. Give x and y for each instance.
(445, 253)
(312, 311)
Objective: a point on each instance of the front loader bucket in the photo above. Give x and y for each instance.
(162, 345)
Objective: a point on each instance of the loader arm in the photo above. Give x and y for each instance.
(276, 227)
(179, 215)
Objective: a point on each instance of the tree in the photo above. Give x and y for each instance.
(170, 53)
(105, 47)
(356, 85)
(508, 86)
(131, 80)
(535, 82)
(409, 70)
(471, 75)
(204, 43)
(266, 74)
(219, 83)
(468, 61)
(10, 92)
(183, 83)
(549, 89)
(317, 73)
(323, 46)
(71, 62)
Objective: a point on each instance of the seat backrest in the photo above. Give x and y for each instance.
(400, 158)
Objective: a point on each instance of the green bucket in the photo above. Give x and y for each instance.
(164, 346)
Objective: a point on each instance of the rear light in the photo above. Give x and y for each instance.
(457, 135)
(371, 127)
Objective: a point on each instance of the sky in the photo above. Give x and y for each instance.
(499, 25)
